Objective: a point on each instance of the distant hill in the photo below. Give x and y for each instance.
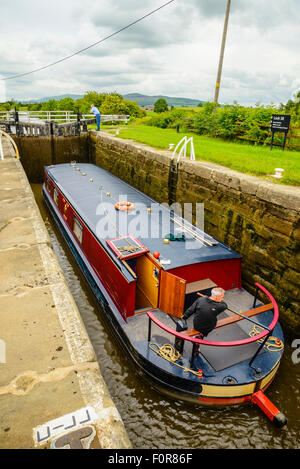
(141, 99)
(144, 100)
(56, 98)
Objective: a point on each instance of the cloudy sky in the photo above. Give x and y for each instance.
(174, 52)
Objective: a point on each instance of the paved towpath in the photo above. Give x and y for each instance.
(51, 388)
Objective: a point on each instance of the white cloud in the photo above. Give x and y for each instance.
(175, 51)
(3, 96)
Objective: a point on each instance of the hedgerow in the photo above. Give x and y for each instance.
(228, 122)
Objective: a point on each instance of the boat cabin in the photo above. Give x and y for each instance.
(145, 255)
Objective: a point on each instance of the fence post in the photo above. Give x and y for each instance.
(53, 159)
(272, 139)
(284, 140)
(17, 122)
(289, 137)
(79, 116)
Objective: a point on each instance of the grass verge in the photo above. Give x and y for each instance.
(245, 158)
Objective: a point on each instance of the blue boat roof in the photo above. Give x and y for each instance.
(93, 192)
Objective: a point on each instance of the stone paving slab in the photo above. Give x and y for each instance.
(8, 148)
(48, 368)
(23, 412)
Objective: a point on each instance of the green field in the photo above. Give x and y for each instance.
(249, 159)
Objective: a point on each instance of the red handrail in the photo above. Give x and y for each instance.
(234, 343)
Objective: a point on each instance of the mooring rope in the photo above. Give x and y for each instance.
(273, 344)
(168, 352)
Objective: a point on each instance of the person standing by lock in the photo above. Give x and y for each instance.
(97, 114)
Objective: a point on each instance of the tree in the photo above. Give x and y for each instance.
(115, 104)
(161, 105)
(83, 106)
(66, 104)
(5, 106)
(93, 97)
(293, 105)
(208, 107)
(34, 106)
(50, 105)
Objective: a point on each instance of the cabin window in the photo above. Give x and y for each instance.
(48, 185)
(78, 229)
(55, 196)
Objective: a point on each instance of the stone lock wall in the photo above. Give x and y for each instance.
(37, 152)
(257, 218)
(138, 165)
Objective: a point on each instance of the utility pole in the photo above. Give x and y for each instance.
(222, 55)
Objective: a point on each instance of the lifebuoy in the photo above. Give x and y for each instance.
(124, 206)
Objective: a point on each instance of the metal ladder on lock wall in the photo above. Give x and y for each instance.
(173, 176)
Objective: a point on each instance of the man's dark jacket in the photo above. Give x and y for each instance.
(206, 312)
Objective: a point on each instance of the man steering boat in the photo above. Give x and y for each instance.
(205, 310)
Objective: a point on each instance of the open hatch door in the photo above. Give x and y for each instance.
(171, 294)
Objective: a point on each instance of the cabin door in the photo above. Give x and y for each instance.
(171, 294)
(147, 282)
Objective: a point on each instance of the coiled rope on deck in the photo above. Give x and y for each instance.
(168, 352)
(273, 344)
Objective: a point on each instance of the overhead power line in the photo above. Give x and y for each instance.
(90, 46)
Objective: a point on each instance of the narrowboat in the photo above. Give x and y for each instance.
(146, 264)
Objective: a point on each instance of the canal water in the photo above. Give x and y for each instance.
(154, 421)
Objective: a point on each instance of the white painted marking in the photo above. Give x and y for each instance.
(70, 422)
(2, 351)
(1, 149)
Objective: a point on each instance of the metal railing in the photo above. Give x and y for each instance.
(55, 123)
(45, 129)
(58, 116)
(235, 343)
